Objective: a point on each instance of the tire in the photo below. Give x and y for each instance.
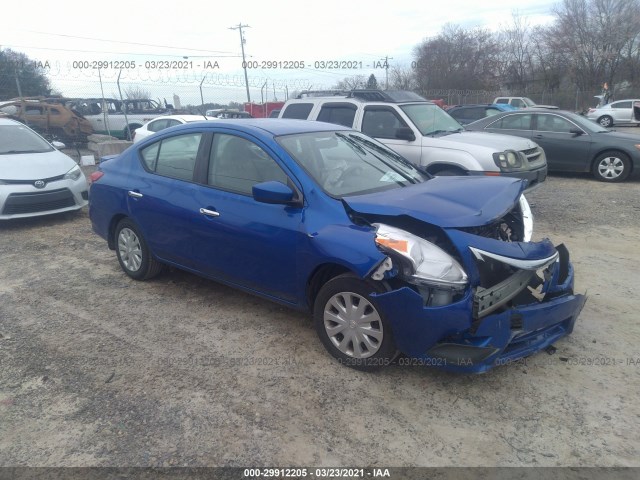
(376, 347)
(611, 166)
(134, 255)
(605, 121)
(132, 128)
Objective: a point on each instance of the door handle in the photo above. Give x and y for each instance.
(135, 194)
(209, 213)
(538, 136)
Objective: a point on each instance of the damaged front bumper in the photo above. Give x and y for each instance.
(485, 327)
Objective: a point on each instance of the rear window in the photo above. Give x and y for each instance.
(300, 111)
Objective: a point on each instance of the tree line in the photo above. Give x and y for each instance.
(588, 43)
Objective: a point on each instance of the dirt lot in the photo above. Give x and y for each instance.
(97, 369)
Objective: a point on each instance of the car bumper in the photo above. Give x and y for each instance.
(24, 200)
(452, 338)
(534, 177)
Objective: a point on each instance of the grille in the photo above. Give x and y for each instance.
(31, 182)
(19, 203)
(534, 156)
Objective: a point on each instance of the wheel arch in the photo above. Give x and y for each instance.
(111, 237)
(612, 150)
(321, 275)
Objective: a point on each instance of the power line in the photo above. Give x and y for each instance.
(123, 42)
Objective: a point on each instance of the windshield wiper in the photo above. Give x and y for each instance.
(437, 132)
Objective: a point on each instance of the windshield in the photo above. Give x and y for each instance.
(431, 119)
(586, 124)
(21, 139)
(349, 163)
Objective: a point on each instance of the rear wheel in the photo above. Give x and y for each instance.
(612, 166)
(606, 121)
(351, 326)
(133, 253)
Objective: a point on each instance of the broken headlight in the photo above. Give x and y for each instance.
(527, 219)
(423, 263)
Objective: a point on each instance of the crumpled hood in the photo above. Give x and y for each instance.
(497, 142)
(448, 202)
(34, 166)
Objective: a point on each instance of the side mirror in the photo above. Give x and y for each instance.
(272, 192)
(576, 132)
(58, 145)
(405, 133)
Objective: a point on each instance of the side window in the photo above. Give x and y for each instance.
(298, 110)
(490, 112)
(513, 122)
(553, 123)
(54, 111)
(237, 164)
(172, 123)
(621, 105)
(502, 100)
(157, 125)
(30, 110)
(173, 157)
(516, 102)
(381, 123)
(341, 114)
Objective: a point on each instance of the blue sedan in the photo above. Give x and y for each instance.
(322, 218)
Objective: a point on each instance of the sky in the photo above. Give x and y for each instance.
(72, 38)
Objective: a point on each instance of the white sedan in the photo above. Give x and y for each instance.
(35, 178)
(160, 123)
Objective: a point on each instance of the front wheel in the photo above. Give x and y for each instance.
(351, 326)
(133, 253)
(612, 166)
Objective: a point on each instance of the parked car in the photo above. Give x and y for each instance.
(52, 120)
(423, 133)
(117, 118)
(465, 114)
(520, 102)
(622, 112)
(571, 142)
(160, 123)
(35, 178)
(228, 113)
(322, 218)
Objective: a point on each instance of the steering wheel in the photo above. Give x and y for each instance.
(353, 169)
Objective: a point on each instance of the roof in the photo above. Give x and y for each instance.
(273, 126)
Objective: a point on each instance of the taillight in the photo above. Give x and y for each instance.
(95, 176)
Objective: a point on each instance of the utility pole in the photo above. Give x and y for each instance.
(386, 69)
(244, 63)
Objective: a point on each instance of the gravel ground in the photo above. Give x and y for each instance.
(100, 370)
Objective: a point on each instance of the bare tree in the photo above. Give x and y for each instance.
(136, 93)
(457, 58)
(516, 67)
(402, 79)
(593, 36)
(349, 83)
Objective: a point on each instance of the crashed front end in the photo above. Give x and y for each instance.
(468, 299)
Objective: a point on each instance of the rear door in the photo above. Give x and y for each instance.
(162, 198)
(622, 111)
(565, 151)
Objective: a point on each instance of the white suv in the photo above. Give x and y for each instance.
(423, 133)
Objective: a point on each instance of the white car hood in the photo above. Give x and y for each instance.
(495, 141)
(34, 166)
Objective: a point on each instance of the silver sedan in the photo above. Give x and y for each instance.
(35, 178)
